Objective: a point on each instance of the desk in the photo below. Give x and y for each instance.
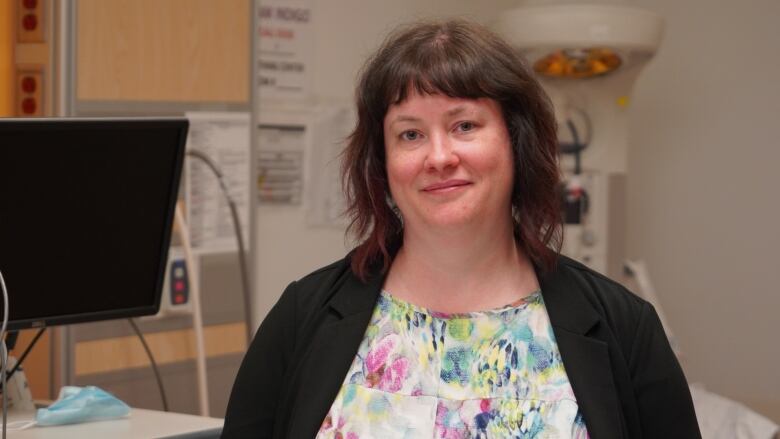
(140, 424)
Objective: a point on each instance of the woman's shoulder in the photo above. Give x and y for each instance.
(320, 281)
(597, 285)
(332, 286)
(323, 274)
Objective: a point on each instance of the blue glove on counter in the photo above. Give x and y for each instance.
(82, 404)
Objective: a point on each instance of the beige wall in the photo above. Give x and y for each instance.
(703, 187)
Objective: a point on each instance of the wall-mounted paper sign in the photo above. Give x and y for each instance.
(279, 163)
(324, 197)
(284, 45)
(224, 138)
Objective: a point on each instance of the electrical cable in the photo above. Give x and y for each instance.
(10, 340)
(4, 351)
(588, 126)
(578, 144)
(152, 362)
(25, 353)
(239, 236)
(578, 147)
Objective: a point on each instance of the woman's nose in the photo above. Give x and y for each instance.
(441, 154)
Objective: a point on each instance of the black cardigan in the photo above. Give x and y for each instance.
(626, 379)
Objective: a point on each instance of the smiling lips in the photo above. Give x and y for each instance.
(445, 186)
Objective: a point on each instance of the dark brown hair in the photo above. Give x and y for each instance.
(464, 60)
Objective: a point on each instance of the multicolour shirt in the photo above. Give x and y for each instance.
(425, 374)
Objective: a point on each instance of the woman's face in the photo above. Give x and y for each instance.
(449, 161)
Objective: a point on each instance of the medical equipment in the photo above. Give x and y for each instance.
(235, 219)
(197, 313)
(587, 57)
(177, 293)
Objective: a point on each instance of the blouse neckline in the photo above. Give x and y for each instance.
(517, 305)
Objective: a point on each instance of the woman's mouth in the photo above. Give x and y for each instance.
(446, 186)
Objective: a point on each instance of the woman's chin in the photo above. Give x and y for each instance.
(452, 220)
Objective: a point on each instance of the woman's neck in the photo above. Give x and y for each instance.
(461, 273)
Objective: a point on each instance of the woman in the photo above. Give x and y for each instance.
(455, 316)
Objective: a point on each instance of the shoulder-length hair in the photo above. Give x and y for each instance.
(464, 60)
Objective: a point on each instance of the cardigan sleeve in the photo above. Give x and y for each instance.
(253, 401)
(661, 391)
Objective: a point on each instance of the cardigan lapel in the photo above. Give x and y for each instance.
(585, 358)
(333, 348)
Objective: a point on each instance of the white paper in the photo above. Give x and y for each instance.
(223, 137)
(284, 50)
(280, 154)
(325, 198)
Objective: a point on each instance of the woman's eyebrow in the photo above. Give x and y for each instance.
(460, 109)
(404, 118)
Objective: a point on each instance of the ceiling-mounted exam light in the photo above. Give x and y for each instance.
(578, 63)
(581, 41)
(587, 57)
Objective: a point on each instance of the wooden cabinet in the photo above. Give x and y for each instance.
(163, 50)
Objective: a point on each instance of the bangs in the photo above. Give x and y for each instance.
(439, 68)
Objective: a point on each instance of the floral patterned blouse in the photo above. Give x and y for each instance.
(425, 374)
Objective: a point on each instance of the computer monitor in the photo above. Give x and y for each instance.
(86, 213)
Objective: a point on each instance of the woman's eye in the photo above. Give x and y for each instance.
(410, 135)
(465, 126)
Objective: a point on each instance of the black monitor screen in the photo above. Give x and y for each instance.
(86, 211)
